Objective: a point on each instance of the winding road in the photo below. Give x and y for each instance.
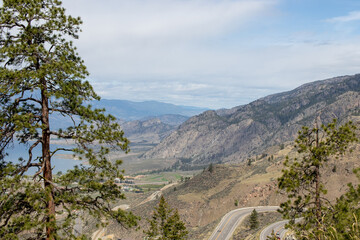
(231, 220)
(278, 227)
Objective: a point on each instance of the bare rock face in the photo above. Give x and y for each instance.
(233, 135)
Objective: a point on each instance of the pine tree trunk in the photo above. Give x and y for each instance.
(317, 186)
(47, 171)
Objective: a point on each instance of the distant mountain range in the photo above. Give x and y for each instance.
(128, 110)
(148, 121)
(235, 134)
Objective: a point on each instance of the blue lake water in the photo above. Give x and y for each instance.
(61, 161)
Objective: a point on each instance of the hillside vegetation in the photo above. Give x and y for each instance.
(205, 198)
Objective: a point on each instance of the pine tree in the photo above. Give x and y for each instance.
(42, 76)
(166, 225)
(302, 178)
(211, 168)
(254, 221)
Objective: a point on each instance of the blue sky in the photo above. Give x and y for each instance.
(214, 53)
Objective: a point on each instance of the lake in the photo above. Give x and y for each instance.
(61, 161)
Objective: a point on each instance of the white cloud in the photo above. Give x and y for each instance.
(163, 18)
(159, 39)
(352, 16)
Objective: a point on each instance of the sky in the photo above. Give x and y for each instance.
(214, 53)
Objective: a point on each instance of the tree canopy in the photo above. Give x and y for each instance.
(42, 77)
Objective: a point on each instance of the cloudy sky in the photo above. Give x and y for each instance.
(214, 53)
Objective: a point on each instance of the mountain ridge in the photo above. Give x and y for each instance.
(235, 134)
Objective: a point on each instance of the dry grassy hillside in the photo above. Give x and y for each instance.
(205, 198)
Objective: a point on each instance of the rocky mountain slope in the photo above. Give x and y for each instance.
(235, 134)
(152, 130)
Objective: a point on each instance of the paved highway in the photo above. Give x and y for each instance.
(278, 227)
(231, 220)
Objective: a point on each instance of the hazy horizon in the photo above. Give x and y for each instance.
(215, 54)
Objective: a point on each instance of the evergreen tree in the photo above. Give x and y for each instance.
(302, 178)
(166, 225)
(254, 221)
(42, 76)
(211, 168)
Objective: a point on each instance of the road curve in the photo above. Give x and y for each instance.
(232, 219)
(278, 227)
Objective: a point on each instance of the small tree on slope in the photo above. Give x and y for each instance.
(254, 221)
(166, 224)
